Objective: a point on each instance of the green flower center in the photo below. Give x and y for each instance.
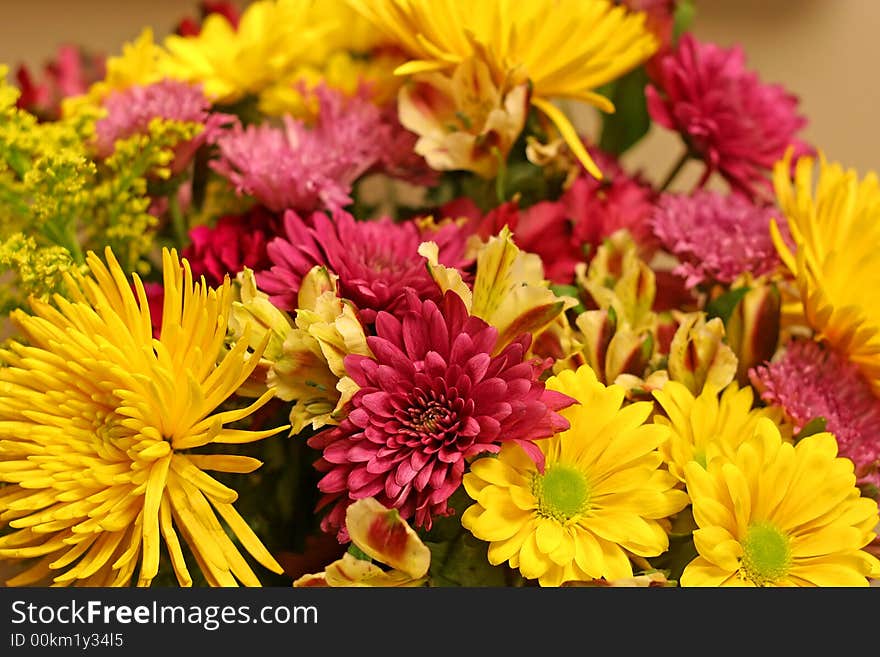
(562, 492)
(767, 554)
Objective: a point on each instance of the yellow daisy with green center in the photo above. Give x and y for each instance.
(713, 422)
(599, 500)
(780, 514)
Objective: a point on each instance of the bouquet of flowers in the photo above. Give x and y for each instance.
(335, 293)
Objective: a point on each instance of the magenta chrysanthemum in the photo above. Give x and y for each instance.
(130, 111)
(303, 168)
(376, 261)
(811, 381)
(737, 124)
(230, 245)
(433, 396)
(716, 237)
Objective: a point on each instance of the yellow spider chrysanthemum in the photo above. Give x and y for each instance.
(712, 423)
(97, 420)
(836, 259)
(778, 514)
(599, 499)
(564, 48)
(273, 37)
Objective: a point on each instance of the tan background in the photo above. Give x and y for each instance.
(825, 51)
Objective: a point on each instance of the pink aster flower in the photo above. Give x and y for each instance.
(130, 111)
(376, 261)
(716, 237)
(230, 245)
(737, 124)
(811, 381)
(302, 168)
(433, 396)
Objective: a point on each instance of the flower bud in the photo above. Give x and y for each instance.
(253, 315)
(698, 355)
(753, 329)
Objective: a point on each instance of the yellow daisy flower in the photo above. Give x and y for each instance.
(777, 514)
(600, 498)
(97, 420)
(563, 48)
(836, 259)
(709, 424)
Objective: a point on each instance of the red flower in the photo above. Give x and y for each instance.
(432, 397)
(737, 124)
(233, 243)
(189, 26)
(567, 231)
(70, 73)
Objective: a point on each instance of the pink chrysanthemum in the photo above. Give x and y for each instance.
(811, 381)
(302, 168)
(433, 396)
(737, 124)
(130, 111)
(233, 243)
(376, 261)
(716, 237)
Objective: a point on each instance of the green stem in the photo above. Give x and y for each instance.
(391, 198)
(178, 221)
(675, 170)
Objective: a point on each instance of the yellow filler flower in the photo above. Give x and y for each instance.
(599, 500)
(777, 514)
(97, 420)
(836, 256)
(563, 48)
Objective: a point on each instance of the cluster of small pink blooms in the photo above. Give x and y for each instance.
(716, 237)
(304, 167)
(434, 394)
(231, 244)
(737, 124)
(130, 112)
(811, 381)
(377, 261)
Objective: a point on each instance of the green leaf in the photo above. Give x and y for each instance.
(630, 121)
(357, 553)
(814, 426)
(724, 305)
(685, 11)
(464, 562)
